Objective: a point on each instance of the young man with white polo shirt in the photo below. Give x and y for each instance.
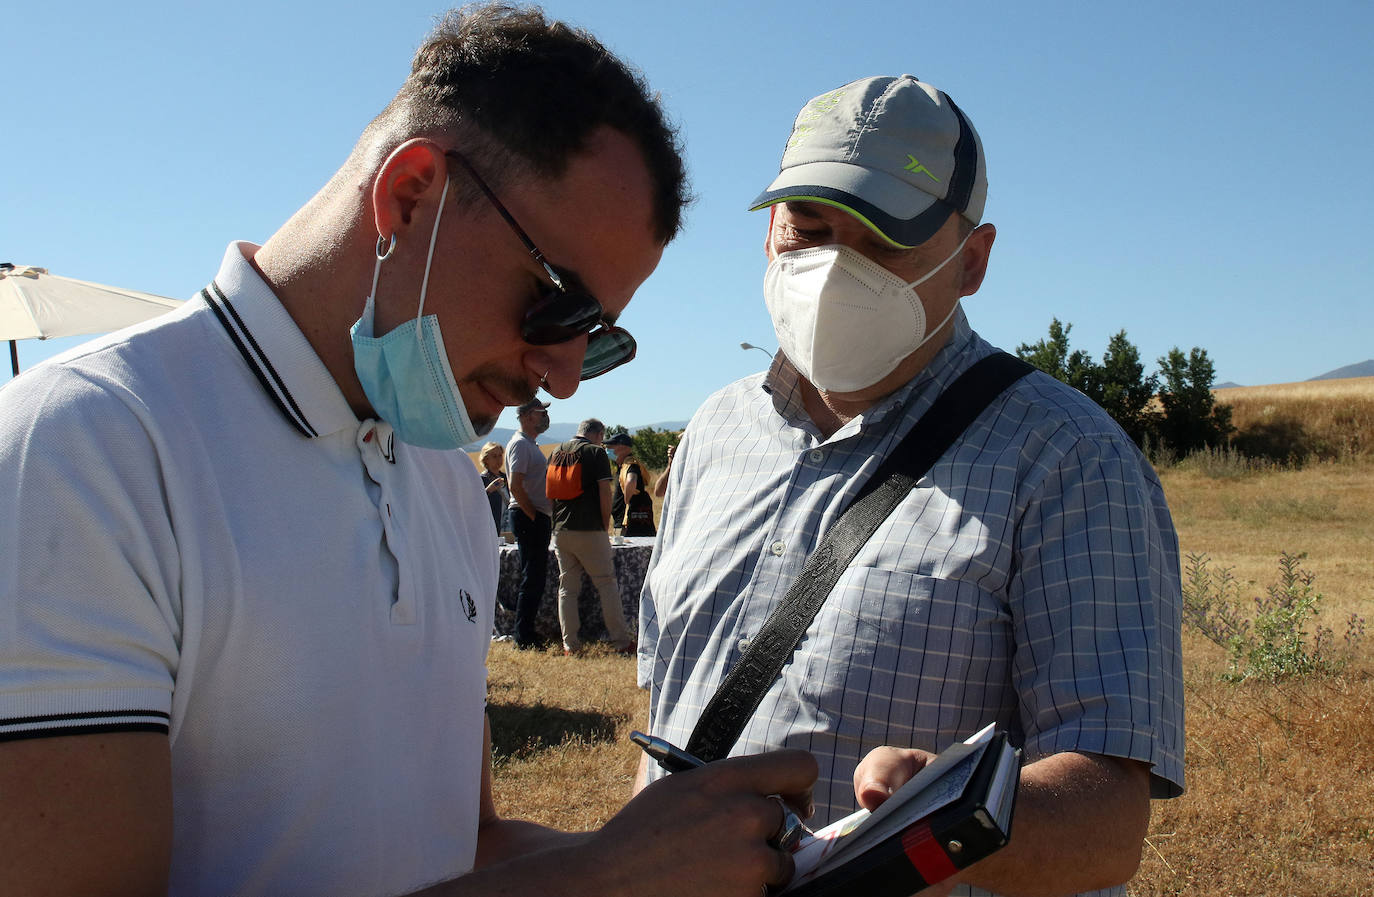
(246, 582)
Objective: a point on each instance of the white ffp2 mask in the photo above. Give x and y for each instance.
(844, 321)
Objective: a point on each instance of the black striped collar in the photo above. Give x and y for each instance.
(274, 349)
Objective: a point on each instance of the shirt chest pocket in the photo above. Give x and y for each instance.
(889, 644)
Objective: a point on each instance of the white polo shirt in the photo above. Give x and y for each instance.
(200, 538)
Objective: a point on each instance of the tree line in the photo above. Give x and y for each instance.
(1172, 409)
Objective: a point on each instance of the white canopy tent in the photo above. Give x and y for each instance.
(37, 305)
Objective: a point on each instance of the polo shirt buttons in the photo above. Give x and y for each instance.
(778, 547)
(817, 456)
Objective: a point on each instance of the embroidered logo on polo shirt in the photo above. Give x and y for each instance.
(469, 606)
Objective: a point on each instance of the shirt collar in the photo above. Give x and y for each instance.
(273, 347)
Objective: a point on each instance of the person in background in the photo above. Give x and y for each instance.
(531, 516)
(661, 487)
(632, 507)
(580, 540)
(247, 578)
(491, 457)
(1029, 579)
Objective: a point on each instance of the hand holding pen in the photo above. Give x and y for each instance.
(674, 759)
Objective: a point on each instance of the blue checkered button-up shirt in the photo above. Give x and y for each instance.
(1030, 579)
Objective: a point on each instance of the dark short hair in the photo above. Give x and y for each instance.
(522, 94)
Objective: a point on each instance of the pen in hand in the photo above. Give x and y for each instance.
(674, 759)
(669, 756)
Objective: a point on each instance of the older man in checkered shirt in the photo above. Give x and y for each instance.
(1031, 577)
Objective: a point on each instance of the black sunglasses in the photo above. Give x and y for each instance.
(565, 310)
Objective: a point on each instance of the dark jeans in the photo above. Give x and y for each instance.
(532, 536)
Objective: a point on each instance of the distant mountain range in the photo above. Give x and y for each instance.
(1363, 369)
(562, 432)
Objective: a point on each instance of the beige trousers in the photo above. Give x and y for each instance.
(589, 550)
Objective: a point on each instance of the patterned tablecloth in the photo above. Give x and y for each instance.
(631, 562)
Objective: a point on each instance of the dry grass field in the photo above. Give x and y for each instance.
(1280, 796)
(1334, 418)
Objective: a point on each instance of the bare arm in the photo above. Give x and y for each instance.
(92, 814)
(641, 775)
(1080, 821)
(86, 814)
(521, 495)
(605, 489)
(661, 487)
(501, 839)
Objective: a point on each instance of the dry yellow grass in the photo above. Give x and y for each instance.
(1336, 416)
(561, 749)
(1247, 521)
(1280, 779)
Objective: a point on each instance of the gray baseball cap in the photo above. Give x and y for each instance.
(896, 153)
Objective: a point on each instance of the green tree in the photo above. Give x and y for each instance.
(1192, 420)
(1125, 391)
(1052, 356)
(651, 446)
(1118, 384)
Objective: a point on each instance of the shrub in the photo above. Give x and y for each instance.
(1282, 440)
(1276, 642)
(1214, 463)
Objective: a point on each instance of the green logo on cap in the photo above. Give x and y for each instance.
(915, 167)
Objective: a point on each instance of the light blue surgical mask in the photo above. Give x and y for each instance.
(405, 374)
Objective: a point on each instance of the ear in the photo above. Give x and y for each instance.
(414, 174)
(768, 234)
(975, 257)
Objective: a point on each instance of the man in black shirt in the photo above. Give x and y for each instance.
(580, 484)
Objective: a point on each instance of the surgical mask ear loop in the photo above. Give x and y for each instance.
(429, 257)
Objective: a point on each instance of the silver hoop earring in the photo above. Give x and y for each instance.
(383, 250)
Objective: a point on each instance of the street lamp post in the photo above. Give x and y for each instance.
(752, 346)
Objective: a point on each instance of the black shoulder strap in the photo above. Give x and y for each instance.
(739, 695)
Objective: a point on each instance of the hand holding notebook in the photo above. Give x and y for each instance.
(951, 814)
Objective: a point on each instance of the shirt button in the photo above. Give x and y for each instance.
(817, 455)
(744, 644)
(778, 547)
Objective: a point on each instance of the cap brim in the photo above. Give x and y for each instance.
(900, 213)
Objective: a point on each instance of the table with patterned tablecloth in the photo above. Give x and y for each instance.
(631, 563)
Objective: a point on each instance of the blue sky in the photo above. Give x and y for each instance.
(1195, 173)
